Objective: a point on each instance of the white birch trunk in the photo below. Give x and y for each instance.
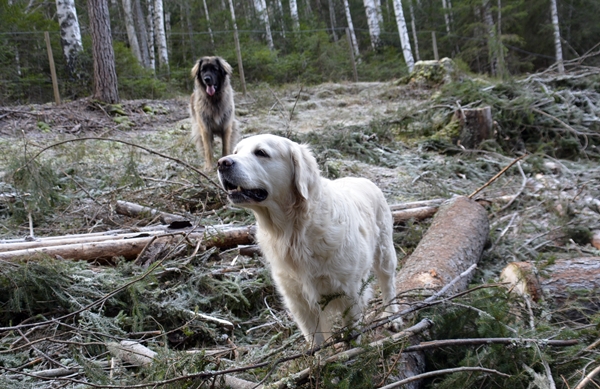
(379, 12)
(446, 16)
(130, 27)
(142, 30)
(414, 29)
(279, 15)
(557, 44)
(332, 19)
(403, 32)
(294, 14)
(351, 29)
(151, 35)
(261, 10)
(212, 38)
(161, 35)
(373, 22)
(70, 34)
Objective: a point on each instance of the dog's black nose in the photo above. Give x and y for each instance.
(225, 163)
(207, 80)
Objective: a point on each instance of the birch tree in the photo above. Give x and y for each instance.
(131, 34)
(212, 38)
(105, 74)
(294, 14)
(161, 35)
(373, 22)
(151, 34)
(261, 10)
(557, 44)
(351, 28)
(70, 34)
(403, 32)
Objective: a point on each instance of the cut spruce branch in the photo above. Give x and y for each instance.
(129, 246)
(436, 373)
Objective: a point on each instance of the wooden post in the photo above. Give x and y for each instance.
(52, 68)
(352, 59)
(435, 52)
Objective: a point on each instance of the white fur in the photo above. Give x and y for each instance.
(321, 237)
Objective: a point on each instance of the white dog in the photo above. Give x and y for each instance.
(322, 238)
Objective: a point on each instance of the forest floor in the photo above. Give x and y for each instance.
(65, 167)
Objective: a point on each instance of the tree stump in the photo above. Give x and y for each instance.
(476, 125)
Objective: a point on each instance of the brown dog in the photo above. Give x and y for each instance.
(211, 107)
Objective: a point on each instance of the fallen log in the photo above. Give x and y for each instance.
(452, 244)
(569, 284)
(130, 247)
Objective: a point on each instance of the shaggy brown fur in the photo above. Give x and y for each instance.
(211, 107)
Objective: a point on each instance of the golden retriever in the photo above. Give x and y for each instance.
(212, 109)
(322, 238)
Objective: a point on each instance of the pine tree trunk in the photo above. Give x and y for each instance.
(161, 36)
(142, 30)
(70, 34)
(557, 44)
(294, 14)
(351, 29)
(413, 25)
(105, 74)
(403, 32)
(491, 38)
(373, 22)
(130, 27)
(332, 19)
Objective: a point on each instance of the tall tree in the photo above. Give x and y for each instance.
(212, 38)
(161, 35)
(105, 74)
(70, 33)
(131, 34)
(351, 29)
(491, 37)
(294, 14)
(151, 34)
(142, 30)
(332, 19)
(373, 22)
(413, 25)
(403, 32)
(261, 10)
(557, 44)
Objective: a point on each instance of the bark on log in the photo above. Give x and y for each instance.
(135, 210)
(569, 284)
(476, 126)
(130, 247)
(454, 241)
(131, 352)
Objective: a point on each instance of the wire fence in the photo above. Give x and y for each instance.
(311, 56)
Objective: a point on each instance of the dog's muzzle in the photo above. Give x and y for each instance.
(226, 167)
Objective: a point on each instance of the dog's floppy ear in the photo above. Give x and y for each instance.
(225, 66)
(306, 170)
(196, 68)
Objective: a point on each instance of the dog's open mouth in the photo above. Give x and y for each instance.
(237, 194)
(210, 90)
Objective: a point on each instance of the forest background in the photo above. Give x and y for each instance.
(282, 41)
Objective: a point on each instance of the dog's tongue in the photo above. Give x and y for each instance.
(210, 89)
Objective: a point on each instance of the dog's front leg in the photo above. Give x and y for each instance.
(207, 146)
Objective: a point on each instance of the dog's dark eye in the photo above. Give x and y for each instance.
(261, 153)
